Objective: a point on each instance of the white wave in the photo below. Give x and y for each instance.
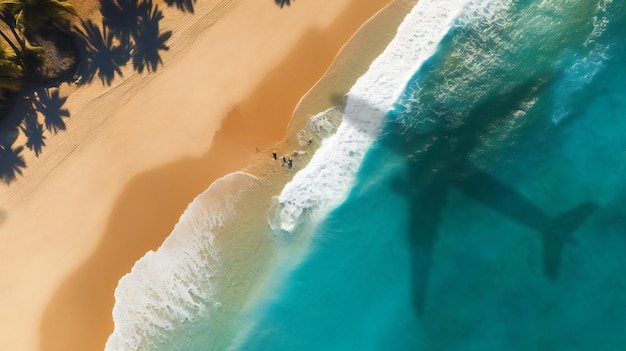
(325, 182)
(174, 285)
(582, 71)
(322, 125)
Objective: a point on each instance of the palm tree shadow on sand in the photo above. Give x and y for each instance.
(149, 42)
(11, 162)
(49, 103)
(282, 3)
(32, 115)
(182, 5)
(100, 54)
(439, 160)
(129, 32)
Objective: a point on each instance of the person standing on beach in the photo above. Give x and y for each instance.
(290, 163)
(274, 154)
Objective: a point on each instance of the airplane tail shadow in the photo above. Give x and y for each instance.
(560, 233)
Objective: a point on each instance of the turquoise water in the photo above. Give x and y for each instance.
(489, 213)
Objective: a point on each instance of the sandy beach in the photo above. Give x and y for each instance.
(137, 151)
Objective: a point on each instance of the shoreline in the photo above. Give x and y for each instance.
(118, 196)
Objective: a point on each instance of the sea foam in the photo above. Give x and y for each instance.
(174, 285)
(326, 180)
(585, 67)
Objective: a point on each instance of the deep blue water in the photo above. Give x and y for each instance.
(490, 214)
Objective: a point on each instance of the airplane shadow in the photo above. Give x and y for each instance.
(440, 159)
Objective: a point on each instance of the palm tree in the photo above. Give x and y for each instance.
(35, 14)
(10, 72)
(8, 11)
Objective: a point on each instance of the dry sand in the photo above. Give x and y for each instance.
(136, 152)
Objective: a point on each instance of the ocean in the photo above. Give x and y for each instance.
(472, 198)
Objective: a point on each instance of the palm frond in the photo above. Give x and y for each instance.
(10, 72)
(35, 13)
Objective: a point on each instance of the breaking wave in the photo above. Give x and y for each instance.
(175, 284)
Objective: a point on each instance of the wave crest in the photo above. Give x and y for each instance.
(174, 285)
